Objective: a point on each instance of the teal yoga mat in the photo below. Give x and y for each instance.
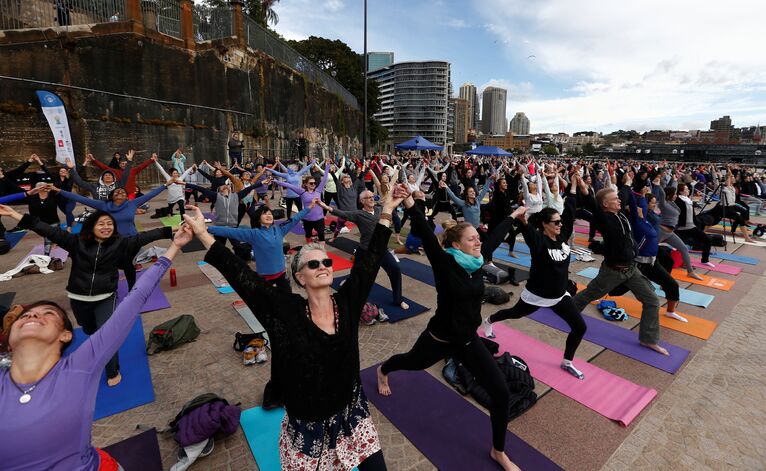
(261, 429)
(687, 296)
(521, 259)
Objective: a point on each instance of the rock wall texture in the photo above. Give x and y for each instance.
(162, 97)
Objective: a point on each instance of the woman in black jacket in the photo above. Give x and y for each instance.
(452, 329)
(96, 253)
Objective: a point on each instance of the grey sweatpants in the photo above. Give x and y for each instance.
(608, 278)
(672, 239)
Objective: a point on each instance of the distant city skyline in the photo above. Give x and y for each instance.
(571, 66)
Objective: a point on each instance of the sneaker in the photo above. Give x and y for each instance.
(382, 316)
(488, 328)
(261, 356)
(709, 264)
(569, 368)
(371, 322)
(344, 230)
(205, 451)
(249, 356)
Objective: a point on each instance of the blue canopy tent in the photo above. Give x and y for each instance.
(489, 150)
(418, 143)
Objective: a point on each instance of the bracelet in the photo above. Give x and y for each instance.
(386, 216)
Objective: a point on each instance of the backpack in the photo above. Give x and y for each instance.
(172, 333)
(195, 403)
(495, 295)
(241, 340)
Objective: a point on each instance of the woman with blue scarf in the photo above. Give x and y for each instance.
(451, 332)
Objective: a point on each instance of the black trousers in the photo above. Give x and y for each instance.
(696, 234)
(565, 309)
(289, 203)
(475, 356)
(586, 215)
(443, 206)
(181, 209)
(374, 462)
(91, 316)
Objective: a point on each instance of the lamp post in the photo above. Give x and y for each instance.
(364, 122)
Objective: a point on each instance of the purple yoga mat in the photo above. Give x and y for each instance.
(156, 300)
(138, 453)
(451, 432)
(619, 340)
(57, 252)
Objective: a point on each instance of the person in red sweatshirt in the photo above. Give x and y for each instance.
(130, 185)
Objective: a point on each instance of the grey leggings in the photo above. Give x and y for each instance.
(672, 239)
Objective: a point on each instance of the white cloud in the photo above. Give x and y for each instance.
(652, 61)
(333, 5)
(457, 23)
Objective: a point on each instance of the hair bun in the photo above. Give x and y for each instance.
(448, 224)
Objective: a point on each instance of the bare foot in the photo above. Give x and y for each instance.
(112, 382)
(399, 241)
(404, 305)
(695, 276)
(512, 254)
(656, 347)
(383, 388)
(503, 460)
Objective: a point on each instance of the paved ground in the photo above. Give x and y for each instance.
(708, 416)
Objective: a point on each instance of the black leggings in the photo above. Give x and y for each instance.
(586, 215)
(475, 356)
(374, 462)
(565, 309)
(327, 198)
(92, 315)
(181, 209)
(697, 235)
(289, 203)
(443, 206)
(311, 226)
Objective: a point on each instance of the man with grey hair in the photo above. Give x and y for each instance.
(366, 219)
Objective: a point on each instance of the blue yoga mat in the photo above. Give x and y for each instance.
(13, 238)
(735, 258)
(521, 259)
(261, 429)
(382, 298)
(417, 270)
(75, 229)
(619, 340)
(136, 387)
(687, 296)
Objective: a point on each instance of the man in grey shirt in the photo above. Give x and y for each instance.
(366, 219)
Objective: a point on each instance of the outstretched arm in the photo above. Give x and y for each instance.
(320, 187)
(460, 203)
(95, 204)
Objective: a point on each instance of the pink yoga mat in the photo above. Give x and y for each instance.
(609, 395)
(57, 252)
(719, 267)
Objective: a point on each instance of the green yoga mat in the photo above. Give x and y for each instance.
(171, 221)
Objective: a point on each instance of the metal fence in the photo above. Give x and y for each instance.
(212, 23)
(163, 16)
(23, 14)
(262, 39)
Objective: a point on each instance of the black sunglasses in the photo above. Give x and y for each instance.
(557, 222)
(311, 183)
(314, 264)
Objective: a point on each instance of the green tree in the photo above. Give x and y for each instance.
(377, 132)
(262, 11)
(341, 62)
(550, 149)
(589, 149)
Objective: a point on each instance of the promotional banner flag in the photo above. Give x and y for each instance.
(55, 113)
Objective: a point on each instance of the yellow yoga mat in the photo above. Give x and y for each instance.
(709, 281)
(696, 327)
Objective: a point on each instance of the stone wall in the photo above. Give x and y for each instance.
(251, 92)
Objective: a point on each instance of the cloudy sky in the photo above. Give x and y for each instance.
(595, 65)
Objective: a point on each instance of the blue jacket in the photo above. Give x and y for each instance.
(266, 242)
(471, 212)
(124, 214)
(291, 176)
(644, 233)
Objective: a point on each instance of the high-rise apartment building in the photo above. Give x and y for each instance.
(414, 100)
(468, 93)
(493, 120)
(460, 119)
(721, 124)
(378, 60)
(520, 124)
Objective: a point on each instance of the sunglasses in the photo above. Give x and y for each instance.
(311, 183)
(314, 264)
(557, 222)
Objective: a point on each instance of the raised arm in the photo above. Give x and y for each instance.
(66, 240)
(454, 198)
(420, 228)
(295, 188)
(421, 174)
(91, 188)
(93, 203)
(320, 187)
(148, 196)
(205, 191)
(162, 170)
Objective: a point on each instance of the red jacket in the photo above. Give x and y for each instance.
(130, 186)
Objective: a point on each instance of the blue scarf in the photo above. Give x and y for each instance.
(468, 262)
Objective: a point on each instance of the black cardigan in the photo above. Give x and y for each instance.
(458, 294)
(317, 372)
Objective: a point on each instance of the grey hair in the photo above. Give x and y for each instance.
(361, 195)
(296, 265)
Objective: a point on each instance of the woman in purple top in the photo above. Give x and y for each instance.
(314, 220)
(46, 399)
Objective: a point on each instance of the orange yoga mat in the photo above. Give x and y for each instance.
(339, 263)
(582, 241)
(696, 327)
(709, 281)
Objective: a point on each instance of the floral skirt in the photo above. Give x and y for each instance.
(340, 442)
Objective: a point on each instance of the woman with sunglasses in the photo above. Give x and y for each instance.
(451, 331)
(549, 275)
(314, 220)
(47, 399)
(316, 348)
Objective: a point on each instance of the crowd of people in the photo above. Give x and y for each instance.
(638, 208)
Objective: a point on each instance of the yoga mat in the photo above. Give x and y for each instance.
(451, 432)
(249, 318)
(582, 241)
(339, 263)
(210, 216)
(618, 340)
(298, 229)
(344, 244)
(382, 297)
(735, 258)
(136, 388)
(696, 327)
(138, 453)
(75, 229)
(520, 259)
(56, 252)
(719, 267)
(156, 301)
(262, 429)
(709, 281)
(6, 301)
(171, 221)
(687, 296)
(13, 238)
(610, 395)
(417, 270)
(215, 277)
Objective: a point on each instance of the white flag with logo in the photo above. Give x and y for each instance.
(55, 113)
